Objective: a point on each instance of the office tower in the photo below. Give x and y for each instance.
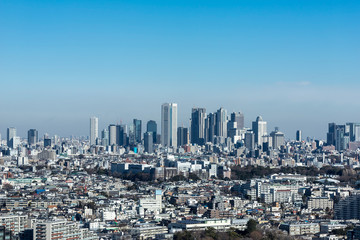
(221, 123)
(11, 134)
(232, 129)
(278, 138)
(298, 135)
(105, 137)
(198, 116)
(238, 117)
(169, 124)
(33, 137)
(331, 134)
(354, 131)
(250, 140)
(137, 130)
(342, 137)
(47, 141)
(94, 130)
(259, 129)
(132, 140)
(148, 142)
(182, 136)
(151, 126)
(235, 126)
(121, 135)
(112, 134)
(210, 127)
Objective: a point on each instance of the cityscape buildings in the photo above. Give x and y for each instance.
(33, 136)
(220, 175)
(209, 120)
(169, 124)
(94, 130)
(198, 116)
(260, 130)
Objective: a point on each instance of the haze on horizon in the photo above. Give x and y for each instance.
(295, 63)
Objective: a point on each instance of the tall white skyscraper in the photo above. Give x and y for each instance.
(260, 130)
(112, 134)
(94, 130)
(169, 124)
(221, 123)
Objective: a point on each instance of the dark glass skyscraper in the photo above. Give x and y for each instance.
(331, 134)
(148, 142)
(11, 134)
(210, 127)
(33, 136)
(151, 126)
(298, 135)
(182, 136)
(121, 136)
(198, 116)
(137, 130)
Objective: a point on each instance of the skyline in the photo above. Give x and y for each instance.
(105, 126)
(294, 63)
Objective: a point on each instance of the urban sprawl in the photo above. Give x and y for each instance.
(216, 179)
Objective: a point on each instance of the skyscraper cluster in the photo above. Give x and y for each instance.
(213, 128)
(341, 135)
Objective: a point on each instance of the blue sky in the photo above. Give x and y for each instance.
(296, 63)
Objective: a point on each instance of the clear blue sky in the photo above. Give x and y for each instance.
(296, 63)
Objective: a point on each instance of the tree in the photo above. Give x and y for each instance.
(251, 226)
(255, 235)
(211, 232)
(184, 235)
(193, 176)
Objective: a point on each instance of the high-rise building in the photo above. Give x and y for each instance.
(221, 123)
(94, 130)
(11, 134)
(105, 137)
(235, 126)
(198, 116)
(47, 141)
(33, 136)
(169, 124)
(121, 135)
(151, 126)
(210, 127)
(112, 134)
(132, 140)
(148, 142)
(354, 131)
(182, 136)
(259, 128)
(342, 137)
(298, 135)
(249, 140)
(238, 117)
(137, 130)
(331, 134)
(278, 138)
